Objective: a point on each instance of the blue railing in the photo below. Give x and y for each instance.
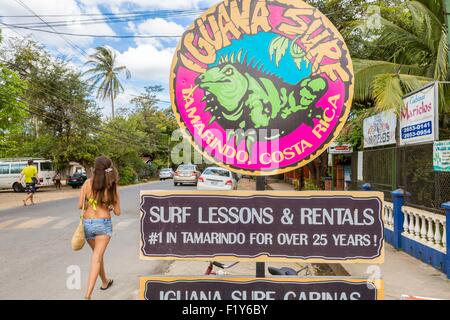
(422, 234)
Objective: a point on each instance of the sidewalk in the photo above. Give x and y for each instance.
(402, 273)
(10, 199)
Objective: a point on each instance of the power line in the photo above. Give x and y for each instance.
(108, 19)
(40, 114)
(66, 118)
(66, 98)
(137, 36)
(68, 41)
(88, 84)
(87, 14)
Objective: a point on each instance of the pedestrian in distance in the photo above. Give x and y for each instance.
(57, 180)
(100, 197)
(30, 173)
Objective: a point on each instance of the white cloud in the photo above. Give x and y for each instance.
(60, 7)
(155, 27)
(148, 63)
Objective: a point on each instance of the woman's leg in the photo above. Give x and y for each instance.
(102, 268)
(101, 242)
(28, 197)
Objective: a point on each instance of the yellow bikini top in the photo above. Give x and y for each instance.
(93, 203)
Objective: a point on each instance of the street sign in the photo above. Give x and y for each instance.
(241, 288)
(340, 227)
(419, 120)
(344, 148)
(441, 156)
(262, 87)
(380, 129)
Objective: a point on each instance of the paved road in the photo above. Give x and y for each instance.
(35, 253)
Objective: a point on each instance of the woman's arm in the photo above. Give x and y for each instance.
(82, 198)
(116, 206)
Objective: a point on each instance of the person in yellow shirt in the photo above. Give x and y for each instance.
(30, 173)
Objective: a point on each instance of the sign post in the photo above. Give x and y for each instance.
(260, 266)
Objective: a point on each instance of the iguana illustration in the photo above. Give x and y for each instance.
(244, 98)
(241, 95)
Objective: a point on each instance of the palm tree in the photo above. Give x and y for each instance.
(104, 69)
(418, 55)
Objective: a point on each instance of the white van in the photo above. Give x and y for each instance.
(10, 170)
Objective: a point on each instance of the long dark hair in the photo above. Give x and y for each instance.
(104, 181)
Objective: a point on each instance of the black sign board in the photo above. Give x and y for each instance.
(263, 226)
(240, 288)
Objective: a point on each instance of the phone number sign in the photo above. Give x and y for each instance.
(418, 130)
(263, 226)
(419, 116)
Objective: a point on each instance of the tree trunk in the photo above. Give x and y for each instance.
(318, 169)
(301, 179)
(112, 105)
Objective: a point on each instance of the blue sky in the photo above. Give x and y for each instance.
(148, 59)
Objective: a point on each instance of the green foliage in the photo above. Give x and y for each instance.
(310, 185)
(12, 108)
(65, 125)
(127, 175)
(413, 51)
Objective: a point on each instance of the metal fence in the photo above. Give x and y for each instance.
(379, 168)
(409, 168)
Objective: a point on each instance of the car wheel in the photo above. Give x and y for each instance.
(74, 187)
(17, 187)
(175, 184)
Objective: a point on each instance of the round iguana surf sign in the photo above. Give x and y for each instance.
(262, 87)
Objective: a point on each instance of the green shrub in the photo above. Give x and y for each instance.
(310, 186)
(127, 175)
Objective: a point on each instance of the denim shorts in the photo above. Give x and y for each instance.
(97, 227)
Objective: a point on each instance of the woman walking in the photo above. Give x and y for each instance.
(99, 196)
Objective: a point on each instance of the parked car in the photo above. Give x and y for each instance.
(77, 180)
(215, 178)
(166, 173)
(186, 173)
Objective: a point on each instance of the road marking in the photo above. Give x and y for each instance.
(64, 223)
(7, 223)
(123, 224)
(36, 223)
